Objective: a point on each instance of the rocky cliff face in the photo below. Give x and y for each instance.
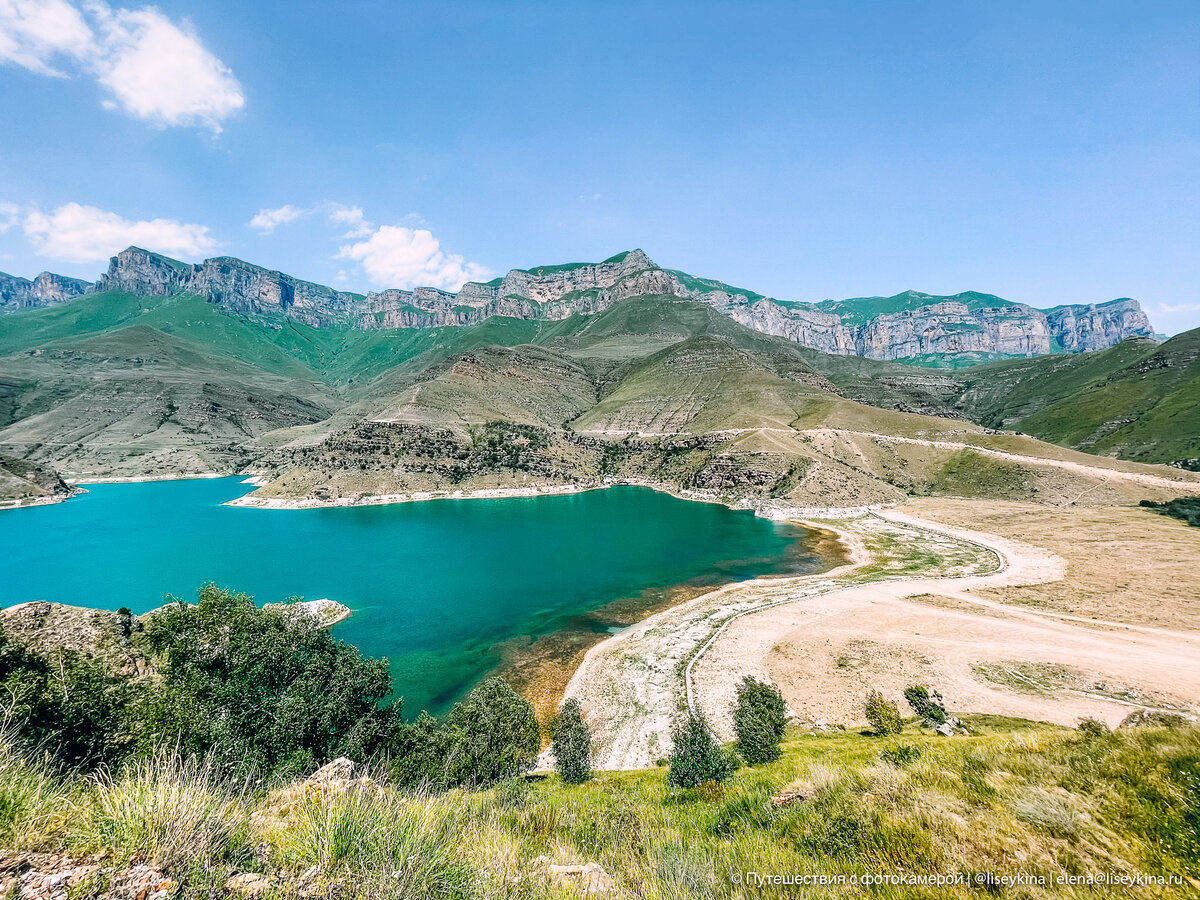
(46, 289)
(1098, 325)
(233, 284)
(947, 326)
(908, 326)
(551, 292)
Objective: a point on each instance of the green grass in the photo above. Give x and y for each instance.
(32, 800)
(166, 808)
(1011, 796)
(1136, 400)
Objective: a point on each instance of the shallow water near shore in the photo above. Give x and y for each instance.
(448, 590)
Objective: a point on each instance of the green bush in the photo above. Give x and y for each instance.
(882, 714)
(572, 744)
(267, 690)
(759, 717)
(696, 757)
(1185, 508)
(491, 735)
(928, 706)
(70, 706)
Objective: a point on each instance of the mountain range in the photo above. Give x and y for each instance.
(581, 374)
(913, 327)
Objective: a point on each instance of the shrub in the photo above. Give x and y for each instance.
(1152, 718)
(928, 706)
(265, 688)
(491, 735)
(572, 744)
(70, 705)
(696, 756)
(759, 717)
(1092, 728)
(901, 756)
(882, 714)
(418, 751)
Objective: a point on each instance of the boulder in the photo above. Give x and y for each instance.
(580, 878)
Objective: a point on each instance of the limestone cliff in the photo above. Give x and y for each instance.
(233, 284)
(46, 289)
(911, 326)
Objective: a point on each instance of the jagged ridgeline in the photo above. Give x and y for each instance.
(915, 327)
(578, 373)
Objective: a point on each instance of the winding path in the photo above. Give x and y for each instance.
(932, 628)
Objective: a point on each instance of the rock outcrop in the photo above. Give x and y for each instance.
(46, 289)
(50, 628)
(235, 285)
(23, 482)
(911, 326)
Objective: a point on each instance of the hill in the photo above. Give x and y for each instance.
(653, 387)
(1138, 400)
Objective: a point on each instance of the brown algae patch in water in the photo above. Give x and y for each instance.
(539, 668)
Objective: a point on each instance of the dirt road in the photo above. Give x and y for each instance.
(906, 611)
(983, 655)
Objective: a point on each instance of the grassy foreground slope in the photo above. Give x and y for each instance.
(1010, 799)
(1138, 400)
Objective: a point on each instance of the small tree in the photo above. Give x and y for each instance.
(572, 744)
(491, 735)
(929, 706)
(759, 717)
(696, 757)
(882, 713)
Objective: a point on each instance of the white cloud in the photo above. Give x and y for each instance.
(394, 256)
(79, 234)
(155, 69)
(267, 220)
(10, 214)
(353, 217)
(1179, 307)
(34, 32)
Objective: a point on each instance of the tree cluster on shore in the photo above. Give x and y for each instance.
(269, 694)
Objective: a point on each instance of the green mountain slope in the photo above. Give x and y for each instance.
(654, 387)
(1138, 400)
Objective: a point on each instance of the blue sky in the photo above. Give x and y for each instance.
(1046, 152)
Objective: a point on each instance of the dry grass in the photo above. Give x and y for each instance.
(1125, 564)
(1010, 797)
(167, 809)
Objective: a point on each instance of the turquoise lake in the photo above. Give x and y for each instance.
(437, 587)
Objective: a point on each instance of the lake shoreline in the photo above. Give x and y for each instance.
(533, 632)
(542, 668)
(766, 509)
